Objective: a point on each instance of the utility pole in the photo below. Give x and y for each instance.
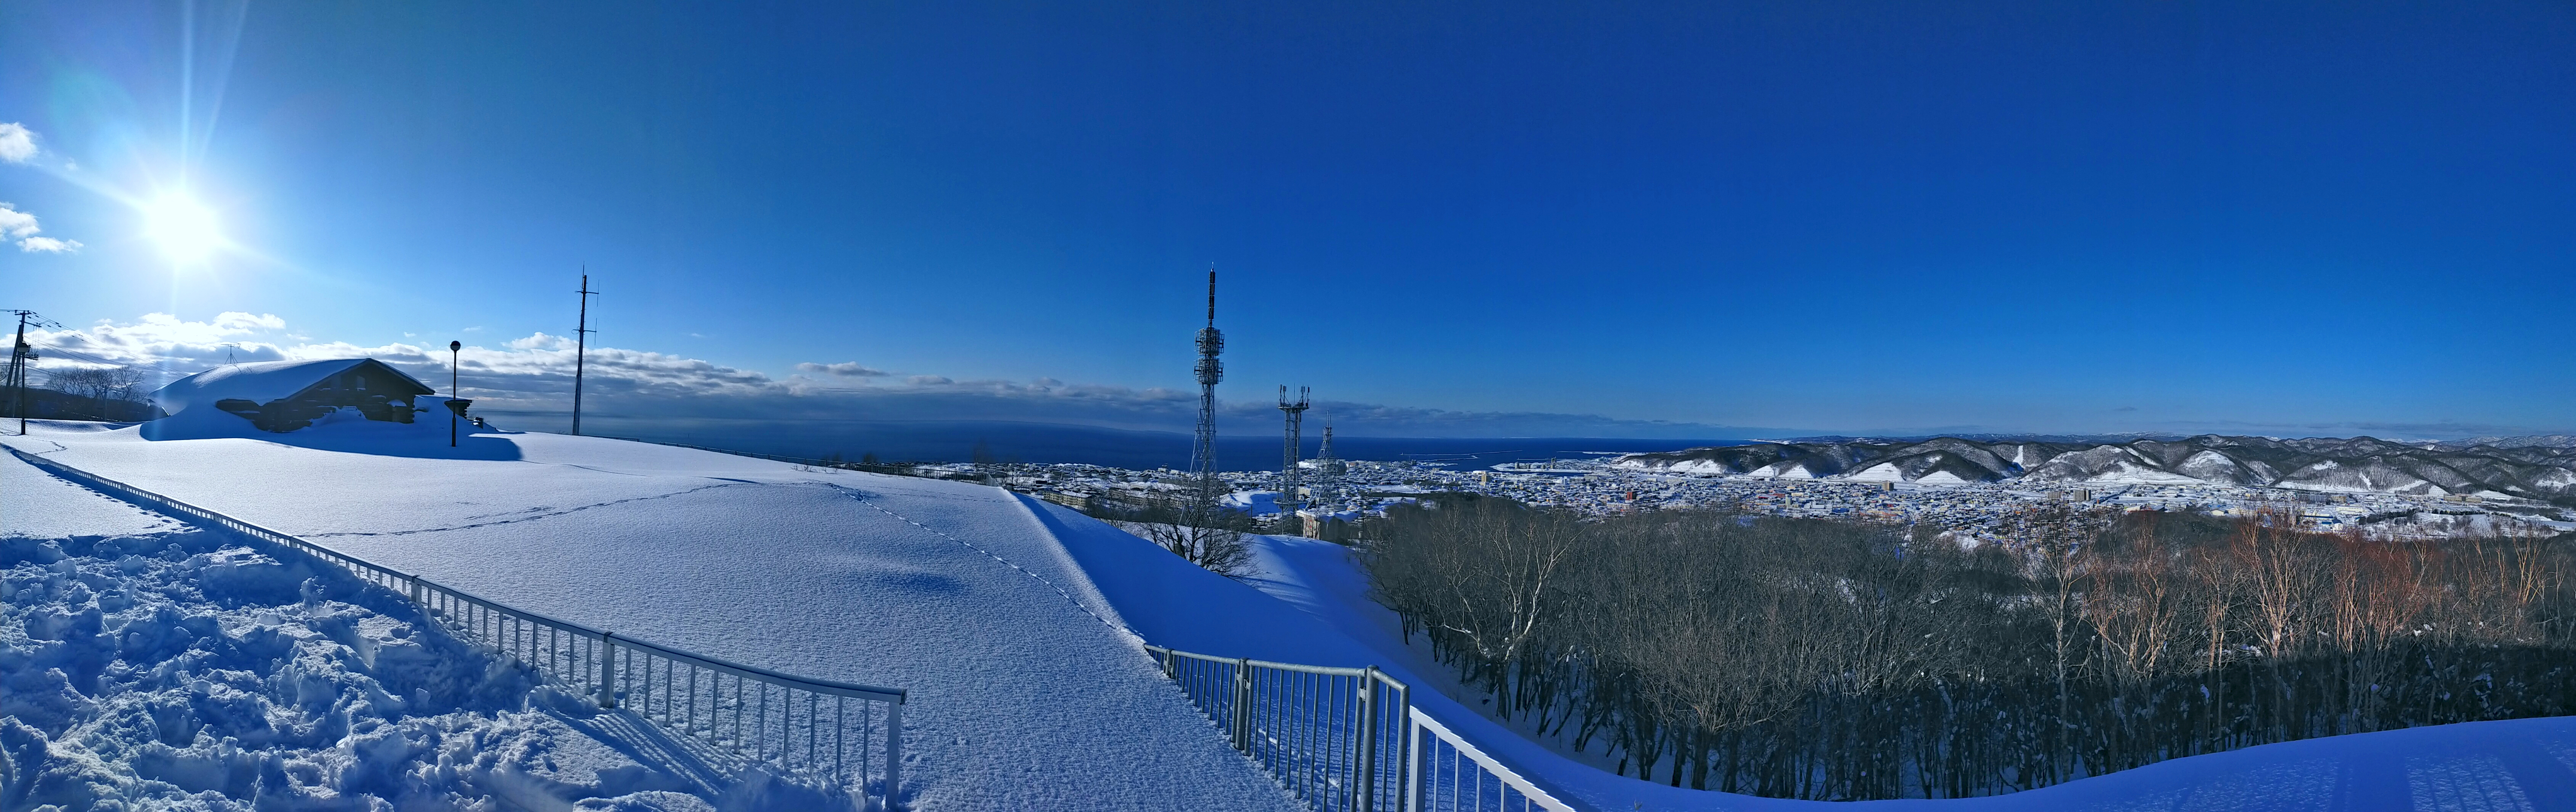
(453, 349)
(20, 355)
(1295, 411)
(580, 348)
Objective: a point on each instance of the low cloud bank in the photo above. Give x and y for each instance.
(534, 374)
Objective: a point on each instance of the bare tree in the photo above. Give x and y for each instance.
(1201, 530)
(2057, 541)
(102, 385)
(1808, 658)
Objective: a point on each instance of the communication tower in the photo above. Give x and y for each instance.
(1210, 371)
(1296, 414)
(1328, 468)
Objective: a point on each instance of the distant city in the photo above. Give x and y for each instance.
(1604, 483)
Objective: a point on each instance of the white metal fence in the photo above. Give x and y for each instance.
(1347, 739)
(838, 733)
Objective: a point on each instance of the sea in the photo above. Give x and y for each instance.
(1000, 441)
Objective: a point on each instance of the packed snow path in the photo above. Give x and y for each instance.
(1026, 693)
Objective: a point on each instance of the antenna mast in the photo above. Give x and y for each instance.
(1210, 371)
(1295, 412)
(580, 348)
(1328, 469)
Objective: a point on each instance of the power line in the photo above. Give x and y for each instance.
(60, 350)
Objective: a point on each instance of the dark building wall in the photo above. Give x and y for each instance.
(375, 390)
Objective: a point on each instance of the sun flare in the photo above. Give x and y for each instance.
(185, 228)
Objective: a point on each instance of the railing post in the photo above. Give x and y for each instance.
(415, 591)
(894, 751)
(1243, 704)
(1405, 746)
(607, 674)
(1367, 773)
(1413, 760)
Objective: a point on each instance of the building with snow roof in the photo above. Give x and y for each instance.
(284, 396)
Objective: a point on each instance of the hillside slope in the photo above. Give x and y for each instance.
(2527, 764)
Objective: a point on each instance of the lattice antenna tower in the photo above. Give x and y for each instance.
(1295, 411)
(1210, 371)
(1328, 468)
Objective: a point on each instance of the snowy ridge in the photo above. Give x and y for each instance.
(2530, 468)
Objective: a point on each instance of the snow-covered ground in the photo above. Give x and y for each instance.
(1016, 624)
(1025, 694)
(150, 665)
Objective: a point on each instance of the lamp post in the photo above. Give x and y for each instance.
(453, 348)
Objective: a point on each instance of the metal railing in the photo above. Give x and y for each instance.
(1346, 739)
(838, 733)
(1451, 774)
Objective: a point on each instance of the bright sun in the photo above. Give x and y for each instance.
(184, 228)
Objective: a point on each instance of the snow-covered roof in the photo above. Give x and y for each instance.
(260, 382)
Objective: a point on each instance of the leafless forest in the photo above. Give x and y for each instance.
(1806, 658)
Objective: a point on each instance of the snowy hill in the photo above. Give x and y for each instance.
(2532, 470)
(1017, 625)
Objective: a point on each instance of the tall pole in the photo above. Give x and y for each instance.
(580, 348)
(1210, 371)
(453, 348)
(1295, 412)
(19, 355)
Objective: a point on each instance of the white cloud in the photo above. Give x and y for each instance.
(16, 223)
(845, 369)
(239, 322)
(21, 225)
(17, 143)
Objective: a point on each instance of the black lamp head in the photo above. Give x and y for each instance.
(454, 346)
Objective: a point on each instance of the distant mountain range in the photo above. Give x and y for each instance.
(2528, 467)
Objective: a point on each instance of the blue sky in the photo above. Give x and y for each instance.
(2326, 218)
